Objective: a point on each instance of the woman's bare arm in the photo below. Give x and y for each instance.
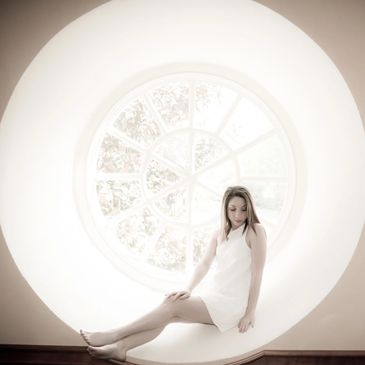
(258, 256)
(202, 268)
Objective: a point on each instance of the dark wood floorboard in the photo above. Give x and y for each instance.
(58, 355)
(52, 357)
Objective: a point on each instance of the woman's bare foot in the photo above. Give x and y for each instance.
(114, 351)
(99, 338)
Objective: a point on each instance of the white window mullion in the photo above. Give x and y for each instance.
(156, 115)
(112, 176)
(129, 141)
(191, 184)
(228, 115)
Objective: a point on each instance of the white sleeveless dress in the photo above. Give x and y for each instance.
(226, 293)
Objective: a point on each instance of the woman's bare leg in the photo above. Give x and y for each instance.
(191, 310)
(118, 349)
(158, 317)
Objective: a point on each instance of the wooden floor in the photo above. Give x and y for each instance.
(56, 355)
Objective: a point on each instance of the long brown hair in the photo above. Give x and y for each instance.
(241, 192)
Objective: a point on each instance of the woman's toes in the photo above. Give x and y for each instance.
(99, 338)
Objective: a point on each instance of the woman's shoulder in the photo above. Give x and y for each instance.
(258, 231)
(216, 232)
(217, 236)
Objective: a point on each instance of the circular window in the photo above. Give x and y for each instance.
(162, 158)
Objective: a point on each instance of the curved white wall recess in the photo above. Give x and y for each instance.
(72, 85)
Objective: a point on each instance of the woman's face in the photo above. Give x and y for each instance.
(237, 211)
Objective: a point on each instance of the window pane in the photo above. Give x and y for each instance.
(116, 156)
(212, 103)
(219, 176)
(176, 149)
(135, 232)
(247, 122)
(159, 176)
(174, 205)
(172, 103)
(206, 150)
(205, 205)
(136, 122)
(264, 159)
(169, 251)
(201, 239)
(269, 197)
(116, 196)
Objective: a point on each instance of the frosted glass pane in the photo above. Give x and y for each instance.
(136, 122)
(206, 150)
(264, 159)
(269, 197)
(135, 232)
(212, 103)
(201, 239)
(176, 149)
(172, 103)
(219, 176)
(247, 122)
(169, 251)
(205, 205)
(174, 205)
(117, 196)
(159, 176)
(116, 156)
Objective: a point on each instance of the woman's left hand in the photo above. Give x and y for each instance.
(181, 294)
(247, 320)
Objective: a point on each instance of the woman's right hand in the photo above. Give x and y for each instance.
(181, 294)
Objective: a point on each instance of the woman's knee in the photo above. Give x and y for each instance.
(171, 307)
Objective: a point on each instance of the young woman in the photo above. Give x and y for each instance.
(230, 299)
